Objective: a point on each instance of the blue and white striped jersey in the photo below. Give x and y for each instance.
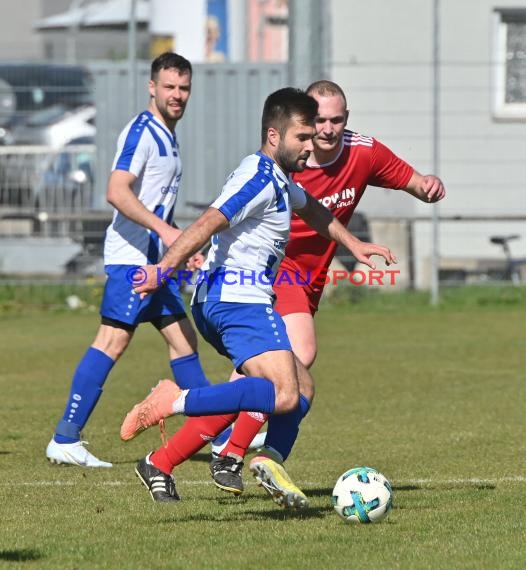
(147, 149)
(257, 200)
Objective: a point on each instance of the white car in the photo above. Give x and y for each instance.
(56, 126)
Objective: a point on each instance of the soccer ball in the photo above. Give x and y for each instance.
(362, 495)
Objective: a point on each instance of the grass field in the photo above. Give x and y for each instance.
(433, 398)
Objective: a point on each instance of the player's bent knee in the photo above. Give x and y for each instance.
(113, 342)
(310, 357)
(307, 355)
(286, 402)
(309, 393)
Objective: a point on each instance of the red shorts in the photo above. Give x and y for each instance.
(293, 298)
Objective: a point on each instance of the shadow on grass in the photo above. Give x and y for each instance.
(254, 514)
(446, 486)
(320, 492)
(132, 462)
(22, 555)
(407, 487)
(201, 457)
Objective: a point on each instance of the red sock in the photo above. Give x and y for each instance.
(245, 429)
(194, 434)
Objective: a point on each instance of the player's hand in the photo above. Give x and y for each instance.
(195, 262)
(363, 251)
(147, 279)
(169, 235)
(433, 188)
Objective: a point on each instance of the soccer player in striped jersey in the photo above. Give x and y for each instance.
(142, 188)
(343, 163)
(249, 225)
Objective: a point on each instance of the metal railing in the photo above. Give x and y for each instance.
(37, 179)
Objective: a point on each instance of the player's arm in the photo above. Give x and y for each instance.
(389, 171)
(428, 188)
(121, 196)
(319, 218)
(192, 239)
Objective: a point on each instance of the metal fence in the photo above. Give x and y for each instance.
(42, 180)
(60, 193)
(220, 126)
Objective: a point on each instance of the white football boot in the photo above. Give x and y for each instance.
(73, 454)
(256, 443)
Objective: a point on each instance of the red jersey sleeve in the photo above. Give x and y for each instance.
(387, 169)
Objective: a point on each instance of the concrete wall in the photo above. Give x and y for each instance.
(222, 124)
(18, 40)
(36, 255)
(382, 55)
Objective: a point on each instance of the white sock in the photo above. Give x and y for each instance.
(178, 405)
(274, 454)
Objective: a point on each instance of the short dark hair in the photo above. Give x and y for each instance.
(284, 104)
(326, 87)
(170, 60)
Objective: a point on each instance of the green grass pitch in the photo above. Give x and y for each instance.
(432, 397)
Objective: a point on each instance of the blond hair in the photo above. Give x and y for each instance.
(325, 87)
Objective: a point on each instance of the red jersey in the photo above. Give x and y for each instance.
(339, 187)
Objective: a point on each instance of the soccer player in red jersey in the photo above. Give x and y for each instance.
(339, 170)
(250, 222)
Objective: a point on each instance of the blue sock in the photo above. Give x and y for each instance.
(85, 392)
(188, 372)
(249, 394)
(223, 437)
(283, 429)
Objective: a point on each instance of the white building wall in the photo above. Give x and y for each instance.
(382, 57)
(18, 40)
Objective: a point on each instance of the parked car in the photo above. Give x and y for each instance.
(37, 86)
(49, 180)
(55, 126)
(66, 179)
(7, 102)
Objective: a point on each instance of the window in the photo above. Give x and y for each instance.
(510, 65)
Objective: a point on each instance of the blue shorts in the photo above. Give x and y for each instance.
(241, 330)
(121, 303)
